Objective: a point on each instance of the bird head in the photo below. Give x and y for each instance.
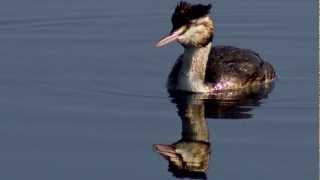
(191, 26)
(187, 157)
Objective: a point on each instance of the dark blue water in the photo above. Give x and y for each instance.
(82, 90)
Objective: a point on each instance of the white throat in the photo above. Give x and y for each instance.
(192, 73)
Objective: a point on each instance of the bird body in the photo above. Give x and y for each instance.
(226, 68)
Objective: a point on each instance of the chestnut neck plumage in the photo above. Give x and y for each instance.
(192, 73)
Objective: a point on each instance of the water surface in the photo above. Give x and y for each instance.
(82, 91)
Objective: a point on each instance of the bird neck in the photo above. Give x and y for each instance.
(194, 124)
(192, 73)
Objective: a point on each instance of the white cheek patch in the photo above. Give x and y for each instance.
(198, 32)
(194, 34)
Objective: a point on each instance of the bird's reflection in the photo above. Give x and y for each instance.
(189, 156)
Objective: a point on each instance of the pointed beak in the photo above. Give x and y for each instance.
(166, 151)
(170, 38)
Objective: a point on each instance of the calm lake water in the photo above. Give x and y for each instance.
(82, 91)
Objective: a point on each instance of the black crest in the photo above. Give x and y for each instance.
(185, 12)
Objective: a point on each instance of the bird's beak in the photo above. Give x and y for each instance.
(166, 151)
(171, 37)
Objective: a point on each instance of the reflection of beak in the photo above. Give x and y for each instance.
(166, 151)
(170, 38)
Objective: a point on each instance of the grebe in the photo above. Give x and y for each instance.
(189, 156)
(206, 69)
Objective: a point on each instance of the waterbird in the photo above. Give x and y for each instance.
(189, 156)
(204, 68)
